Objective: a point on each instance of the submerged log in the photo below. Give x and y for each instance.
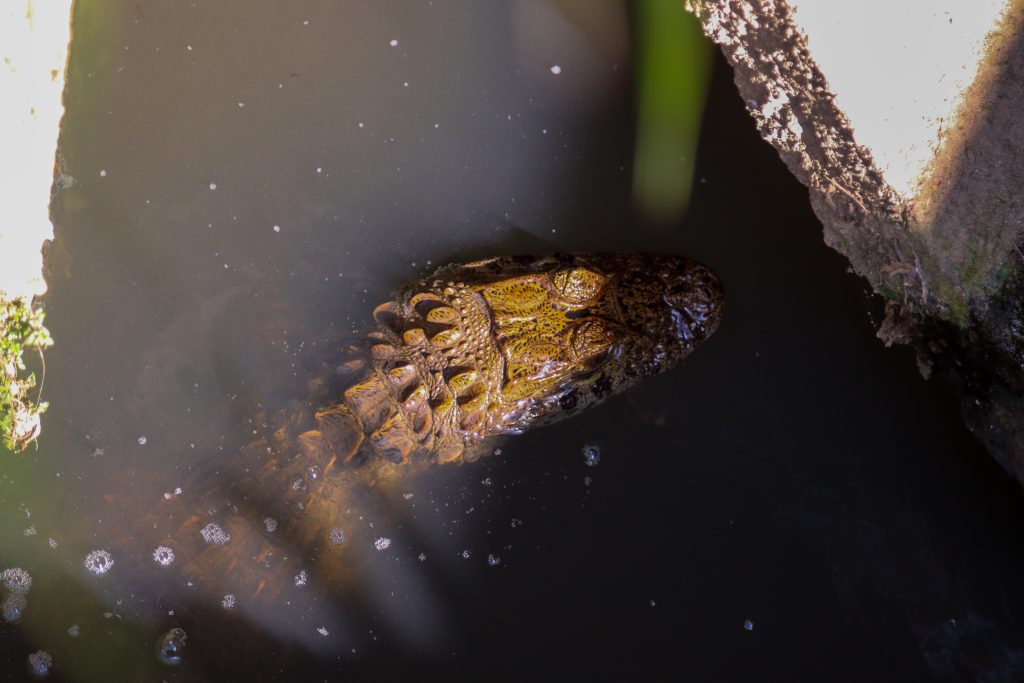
(933, 225)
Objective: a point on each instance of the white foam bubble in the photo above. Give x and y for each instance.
(39, 663)
(163, 556)
(213, 534)
(16, 580)
(99, 562)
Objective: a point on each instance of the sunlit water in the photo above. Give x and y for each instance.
(794, 503)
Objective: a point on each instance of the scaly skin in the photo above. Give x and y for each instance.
(473, 352)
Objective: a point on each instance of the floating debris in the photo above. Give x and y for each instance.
(99, 562)
(170, 648)
(213, 534)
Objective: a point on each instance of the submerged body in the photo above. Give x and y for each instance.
(471, 353)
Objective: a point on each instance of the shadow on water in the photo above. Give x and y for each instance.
(792, 473)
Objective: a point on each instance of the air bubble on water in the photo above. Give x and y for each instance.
(12, 606)
(313, 472)
(516, 522)
(487, 482)
(591, 455)
(748, 625)
(229, 601)
(466, 554)
(98, 562)
(31, 531)
(39, 664)
(163, 556)
(16, 580)
(142, 441)
(394, 42)
(407, 496)
(555, 69)
(74, 631)
(382, 543)
(213, 186)
(213, 534)
(299, 485)
(337, 536)
(422, 557)
(493, 560)
(587, 481)
(171, 645)
(301, 578)
(53, 543)
(270, 524)
(322, 630)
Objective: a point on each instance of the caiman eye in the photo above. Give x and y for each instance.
(578, 285)
(594, 341)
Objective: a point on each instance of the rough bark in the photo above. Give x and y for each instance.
(947, 259)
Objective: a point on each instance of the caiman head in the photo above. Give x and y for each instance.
(555, 334)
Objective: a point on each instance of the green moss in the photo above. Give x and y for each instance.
(21, 329)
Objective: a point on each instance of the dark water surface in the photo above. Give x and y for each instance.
(794, 503)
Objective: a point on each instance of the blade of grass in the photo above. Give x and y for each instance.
(673, 61)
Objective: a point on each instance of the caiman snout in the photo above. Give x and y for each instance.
(696, 297)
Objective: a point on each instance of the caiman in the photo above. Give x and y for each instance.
(473, 352)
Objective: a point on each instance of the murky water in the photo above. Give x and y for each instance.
(251, 179)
